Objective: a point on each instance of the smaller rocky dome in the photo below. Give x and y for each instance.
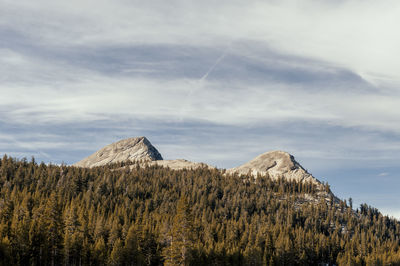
(276, 164)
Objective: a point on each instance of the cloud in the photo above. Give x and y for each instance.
(358, 35)
(240, 90)
(73, 66)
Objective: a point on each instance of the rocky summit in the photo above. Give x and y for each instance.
(132, 149)
(135, 149)
(276, 164)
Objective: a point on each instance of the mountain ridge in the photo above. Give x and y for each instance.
(276, 164)
(254, 219)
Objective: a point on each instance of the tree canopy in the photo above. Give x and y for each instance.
(130, 215)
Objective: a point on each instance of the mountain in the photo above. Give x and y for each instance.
(275, 164)
(131, 149)
(280, 164)
(110, 215)
(269, 211)
(137, 149)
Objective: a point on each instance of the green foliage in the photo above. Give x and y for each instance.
(129, 215)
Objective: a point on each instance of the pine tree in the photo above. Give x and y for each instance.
(5, 251)
(100, 252)
(180, 238)
(73, 238)
(117, 253)
(54, 229)
(133, 255)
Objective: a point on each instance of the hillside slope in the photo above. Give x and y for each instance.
(151, 215)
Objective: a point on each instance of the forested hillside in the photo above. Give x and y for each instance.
(114, 215)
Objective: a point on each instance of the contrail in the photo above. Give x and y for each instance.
(211, 69)
(198, 82)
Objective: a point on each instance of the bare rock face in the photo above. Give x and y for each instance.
(131, 149)
(276, 164)
(177, 164)
(181, 164)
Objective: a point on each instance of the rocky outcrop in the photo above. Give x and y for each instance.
(132, 149)
(178, 164)
(276, 164)
(135, 149)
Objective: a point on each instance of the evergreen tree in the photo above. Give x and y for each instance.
(117, 253)
(180, 237)
(54, 228)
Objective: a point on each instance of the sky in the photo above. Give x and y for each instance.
(213, 81)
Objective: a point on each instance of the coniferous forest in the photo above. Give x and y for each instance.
(131, 215)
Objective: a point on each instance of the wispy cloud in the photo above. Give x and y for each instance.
(358, 35)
